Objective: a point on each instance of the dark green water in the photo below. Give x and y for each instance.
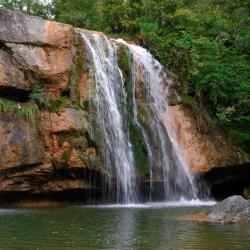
(115, 228)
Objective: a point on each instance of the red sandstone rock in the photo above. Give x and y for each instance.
(20, 143)
(201, 151)
(10, 74)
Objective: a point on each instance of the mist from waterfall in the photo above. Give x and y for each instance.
(169, 175)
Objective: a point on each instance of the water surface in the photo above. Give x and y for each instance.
(117, 227)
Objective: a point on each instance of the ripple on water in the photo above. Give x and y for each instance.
(93, 228)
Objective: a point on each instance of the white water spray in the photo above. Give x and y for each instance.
(116, 147)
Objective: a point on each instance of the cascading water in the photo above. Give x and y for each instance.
(111, 117)
(165, 157)
(150, 115)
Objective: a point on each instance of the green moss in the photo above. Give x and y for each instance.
(125, 66)
(141, 160)
(67, 154)
(80, 65)
(56, 105)
(85, 105)
(61, 141)
(144, 112)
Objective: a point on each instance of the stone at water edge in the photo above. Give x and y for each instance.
(234, 209)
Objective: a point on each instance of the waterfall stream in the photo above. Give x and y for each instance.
(116, 147)
(169, 175)
(166, 160)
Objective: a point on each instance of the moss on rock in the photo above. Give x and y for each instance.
(136, 137)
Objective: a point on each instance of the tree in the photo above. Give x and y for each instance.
(30, 7)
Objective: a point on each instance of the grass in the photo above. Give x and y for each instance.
(27, 111)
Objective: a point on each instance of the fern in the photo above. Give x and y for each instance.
(39, 96)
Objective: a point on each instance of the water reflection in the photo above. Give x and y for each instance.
(116, 228)
(126, 229)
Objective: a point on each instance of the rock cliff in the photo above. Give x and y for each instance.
(53, 154)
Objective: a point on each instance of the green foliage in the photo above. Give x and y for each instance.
(7, 106)
(30, 7)
(67, 154)
(39, 100)
(42, 99)
(39, 96)
(56, 105)
(26, 111)
(205, 122)
(79, 13)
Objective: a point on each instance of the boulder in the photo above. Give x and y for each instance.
(10, 74)
(50, 64)
(234, 209)
(19, 28)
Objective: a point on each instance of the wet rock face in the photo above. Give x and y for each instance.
(234, 209)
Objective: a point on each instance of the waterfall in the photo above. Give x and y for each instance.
(149, 117)
(111, 117)
(164, 154)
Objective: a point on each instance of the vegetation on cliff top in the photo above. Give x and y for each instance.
(206, 42)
